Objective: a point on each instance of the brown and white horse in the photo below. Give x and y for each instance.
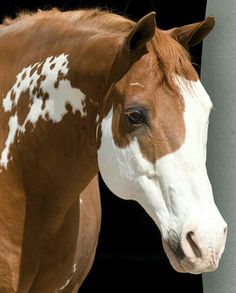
(89, 91)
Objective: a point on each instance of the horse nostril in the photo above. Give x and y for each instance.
(225, 230)
(193, 245)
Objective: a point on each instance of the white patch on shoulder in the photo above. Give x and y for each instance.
(42, 78)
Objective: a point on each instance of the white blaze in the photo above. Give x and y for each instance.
(55, 106)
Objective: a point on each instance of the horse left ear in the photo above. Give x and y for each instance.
(192, 34)
(142, 32)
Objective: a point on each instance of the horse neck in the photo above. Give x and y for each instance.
(49, 75)
(80, 69)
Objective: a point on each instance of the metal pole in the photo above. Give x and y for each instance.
(219, 78)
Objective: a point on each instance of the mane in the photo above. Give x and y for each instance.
(97, 18)
(171, 56)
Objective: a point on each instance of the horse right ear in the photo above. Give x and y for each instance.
(142, 32)
(133, 46)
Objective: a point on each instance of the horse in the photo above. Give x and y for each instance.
(89, 91)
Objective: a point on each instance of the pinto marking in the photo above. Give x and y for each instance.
(49, 93)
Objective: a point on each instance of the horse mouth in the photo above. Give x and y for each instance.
(185, 265)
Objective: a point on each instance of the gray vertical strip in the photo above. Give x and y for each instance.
(219, 78)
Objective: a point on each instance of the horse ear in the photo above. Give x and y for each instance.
(142, 32)
(132, 47)
(192, 34)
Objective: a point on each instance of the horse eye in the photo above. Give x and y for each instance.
(135, 117)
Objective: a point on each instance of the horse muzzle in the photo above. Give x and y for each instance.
(195, 251)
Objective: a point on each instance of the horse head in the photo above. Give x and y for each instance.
(153, 141)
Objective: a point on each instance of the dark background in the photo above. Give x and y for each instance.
(130, 256)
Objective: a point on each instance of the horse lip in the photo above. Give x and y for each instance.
(184, 265)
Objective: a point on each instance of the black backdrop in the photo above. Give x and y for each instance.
(130, 256)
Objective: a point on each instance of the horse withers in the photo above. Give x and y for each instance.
(87, 91)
